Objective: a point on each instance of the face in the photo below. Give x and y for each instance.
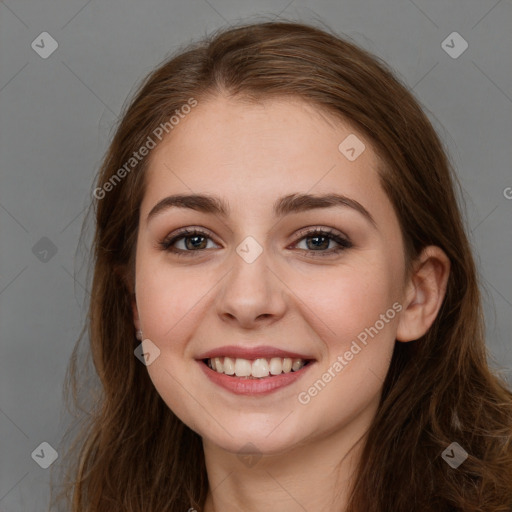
(317, 281)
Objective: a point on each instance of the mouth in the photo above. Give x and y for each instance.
(260, 368)
(256, 369)
(254, 377)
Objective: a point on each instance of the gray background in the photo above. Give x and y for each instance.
(56, 116)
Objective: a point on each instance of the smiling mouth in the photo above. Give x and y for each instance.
(259, 368)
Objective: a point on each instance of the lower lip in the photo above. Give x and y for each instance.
(244, 386)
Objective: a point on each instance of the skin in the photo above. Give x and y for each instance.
(251, 154)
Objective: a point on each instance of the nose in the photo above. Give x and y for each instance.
(252, 294)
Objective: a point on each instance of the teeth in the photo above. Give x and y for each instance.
(297, 364)
(258, 368)
(217, 365)
(242, 368)
(276, 366)
(229, 366)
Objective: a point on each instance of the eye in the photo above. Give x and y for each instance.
(195, 240)
(321, 238)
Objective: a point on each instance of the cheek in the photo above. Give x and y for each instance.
(167, 298)
(348, 299)
(360, 311)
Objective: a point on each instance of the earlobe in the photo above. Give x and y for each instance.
(425, 293)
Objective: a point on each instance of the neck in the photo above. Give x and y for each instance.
(317, 474)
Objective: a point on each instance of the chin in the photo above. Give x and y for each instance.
(256, 440)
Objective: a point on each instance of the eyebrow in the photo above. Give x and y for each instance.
(292, 203)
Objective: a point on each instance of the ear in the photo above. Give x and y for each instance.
(425, 291)
(128, 280)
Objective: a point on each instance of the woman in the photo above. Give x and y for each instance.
(285, 311)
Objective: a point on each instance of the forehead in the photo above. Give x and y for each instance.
(254, 152)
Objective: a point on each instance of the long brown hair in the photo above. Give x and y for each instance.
(134, 454)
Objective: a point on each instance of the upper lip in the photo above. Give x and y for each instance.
(264, 352)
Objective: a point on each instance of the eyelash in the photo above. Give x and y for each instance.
(167, 243)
